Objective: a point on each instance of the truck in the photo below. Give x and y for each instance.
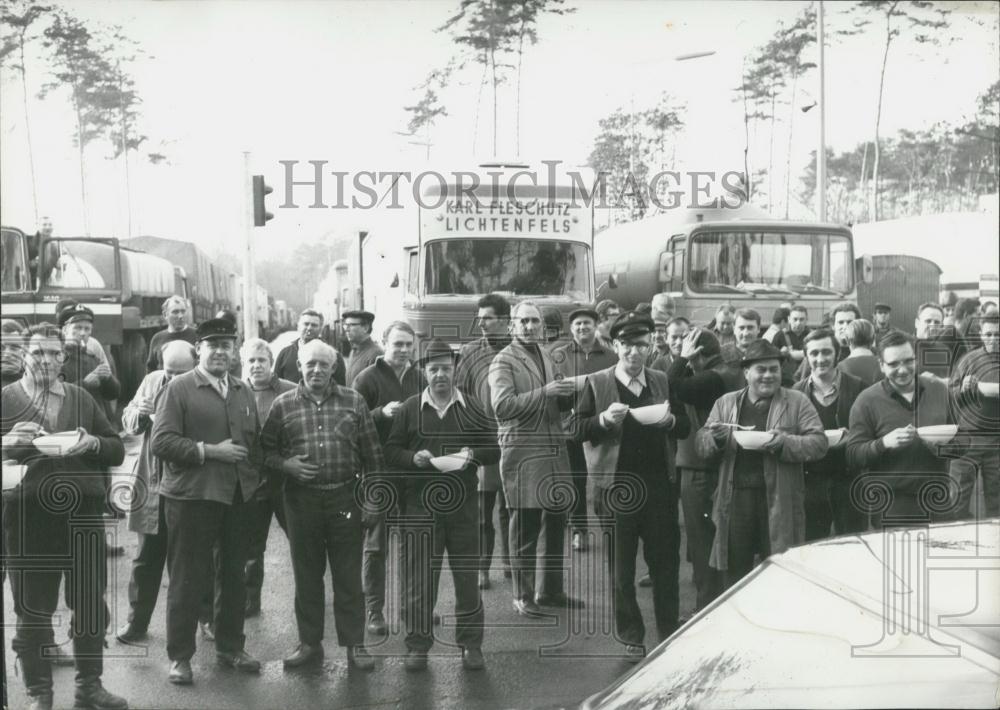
(124, 288)
(705, 257)
(501, 233)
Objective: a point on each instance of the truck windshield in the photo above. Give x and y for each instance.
(763, 262)
(523, 267)
(14, 268)
(78, 263)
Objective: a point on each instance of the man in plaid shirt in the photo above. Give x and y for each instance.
(322, 437)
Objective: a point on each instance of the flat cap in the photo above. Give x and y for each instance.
(362, 315)
(588, 312)
(437, 348)
(630, 324)
(884, 307)
(761, 350)
(216, 328)
(73, 313)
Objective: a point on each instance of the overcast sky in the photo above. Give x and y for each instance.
(309, 80)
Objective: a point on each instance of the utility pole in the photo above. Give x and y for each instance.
(821, 148)
(249, 277)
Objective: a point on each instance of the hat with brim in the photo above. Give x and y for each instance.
(883, 307)
(436, 349)
(216, 328)
(760, 350)
(631, 324)
(75, 313)
(361, 315)
(586, 312)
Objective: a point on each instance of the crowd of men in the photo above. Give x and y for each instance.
(638, 412)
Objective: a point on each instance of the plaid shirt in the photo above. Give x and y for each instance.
(337, 434)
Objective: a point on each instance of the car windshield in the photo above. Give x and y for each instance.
(523, 267)
(763, 262)
(79, 263)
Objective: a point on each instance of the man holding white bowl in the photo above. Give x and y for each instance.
(761, 436)
(628, 424)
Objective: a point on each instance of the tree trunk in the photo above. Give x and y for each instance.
(83, 175)
(479, 104)
(770, 153)
(128, 186)
(747, 180)
(878, 111)
(517, 98)
(493, 66)
(864, 181)
(788, 153)
(27, 124)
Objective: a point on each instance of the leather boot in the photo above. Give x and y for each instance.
(37, 673)
(91, 694)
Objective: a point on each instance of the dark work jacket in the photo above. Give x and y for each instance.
(379, 385)
(84, 474)
(850, 388)
(78, 364)
(417, 427)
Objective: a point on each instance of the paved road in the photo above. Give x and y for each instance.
(530, 663)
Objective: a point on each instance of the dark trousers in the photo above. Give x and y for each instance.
(373, 570)
(527, 525)
(818, 507)
(326, 526)
(578, 467)
(270, 505)
(43, 542)
(964, 472)
(426, 538)
(848, 516)
(656, 524)
(697, 487)
(749, 532)
(487, 532)
(195, 528)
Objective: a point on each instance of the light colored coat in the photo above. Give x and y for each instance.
(531, 436)
(795, 417)
(144, 515)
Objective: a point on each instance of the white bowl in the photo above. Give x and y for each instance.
(833, 436)
(57, 444)
(450, 462)
(752, 440)
(989, 389)
(13, 473)
(653, 414)
(938, 434)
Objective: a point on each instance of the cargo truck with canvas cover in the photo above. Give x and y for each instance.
(707, 257)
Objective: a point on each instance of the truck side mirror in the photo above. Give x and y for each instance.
(612, 281)
(395, 281)
(866, 269)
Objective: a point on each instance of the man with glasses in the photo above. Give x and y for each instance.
(637, 459)
(472, 377)
(286, 366)
(883, 442)
(364, 350)
(526, 400)
(44, 538)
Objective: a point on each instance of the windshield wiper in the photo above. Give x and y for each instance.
(775, 289)
(735, 289)
(820, 289)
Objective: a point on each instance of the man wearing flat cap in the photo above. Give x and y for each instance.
(364, 350)
(440, 421)
(81, 367)
(632, 464)
(582, 356)
(206, 435)
(759, 507)
(882, 320)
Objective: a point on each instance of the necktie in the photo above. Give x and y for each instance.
(223, 387)
(762, 405)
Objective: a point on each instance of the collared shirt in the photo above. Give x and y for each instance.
(335, 431)
(52, 397)
(825, 396)
(426, 399)
(906, 402)
(636, 384)
(218, 383)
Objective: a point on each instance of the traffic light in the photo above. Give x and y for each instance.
(260, 189)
